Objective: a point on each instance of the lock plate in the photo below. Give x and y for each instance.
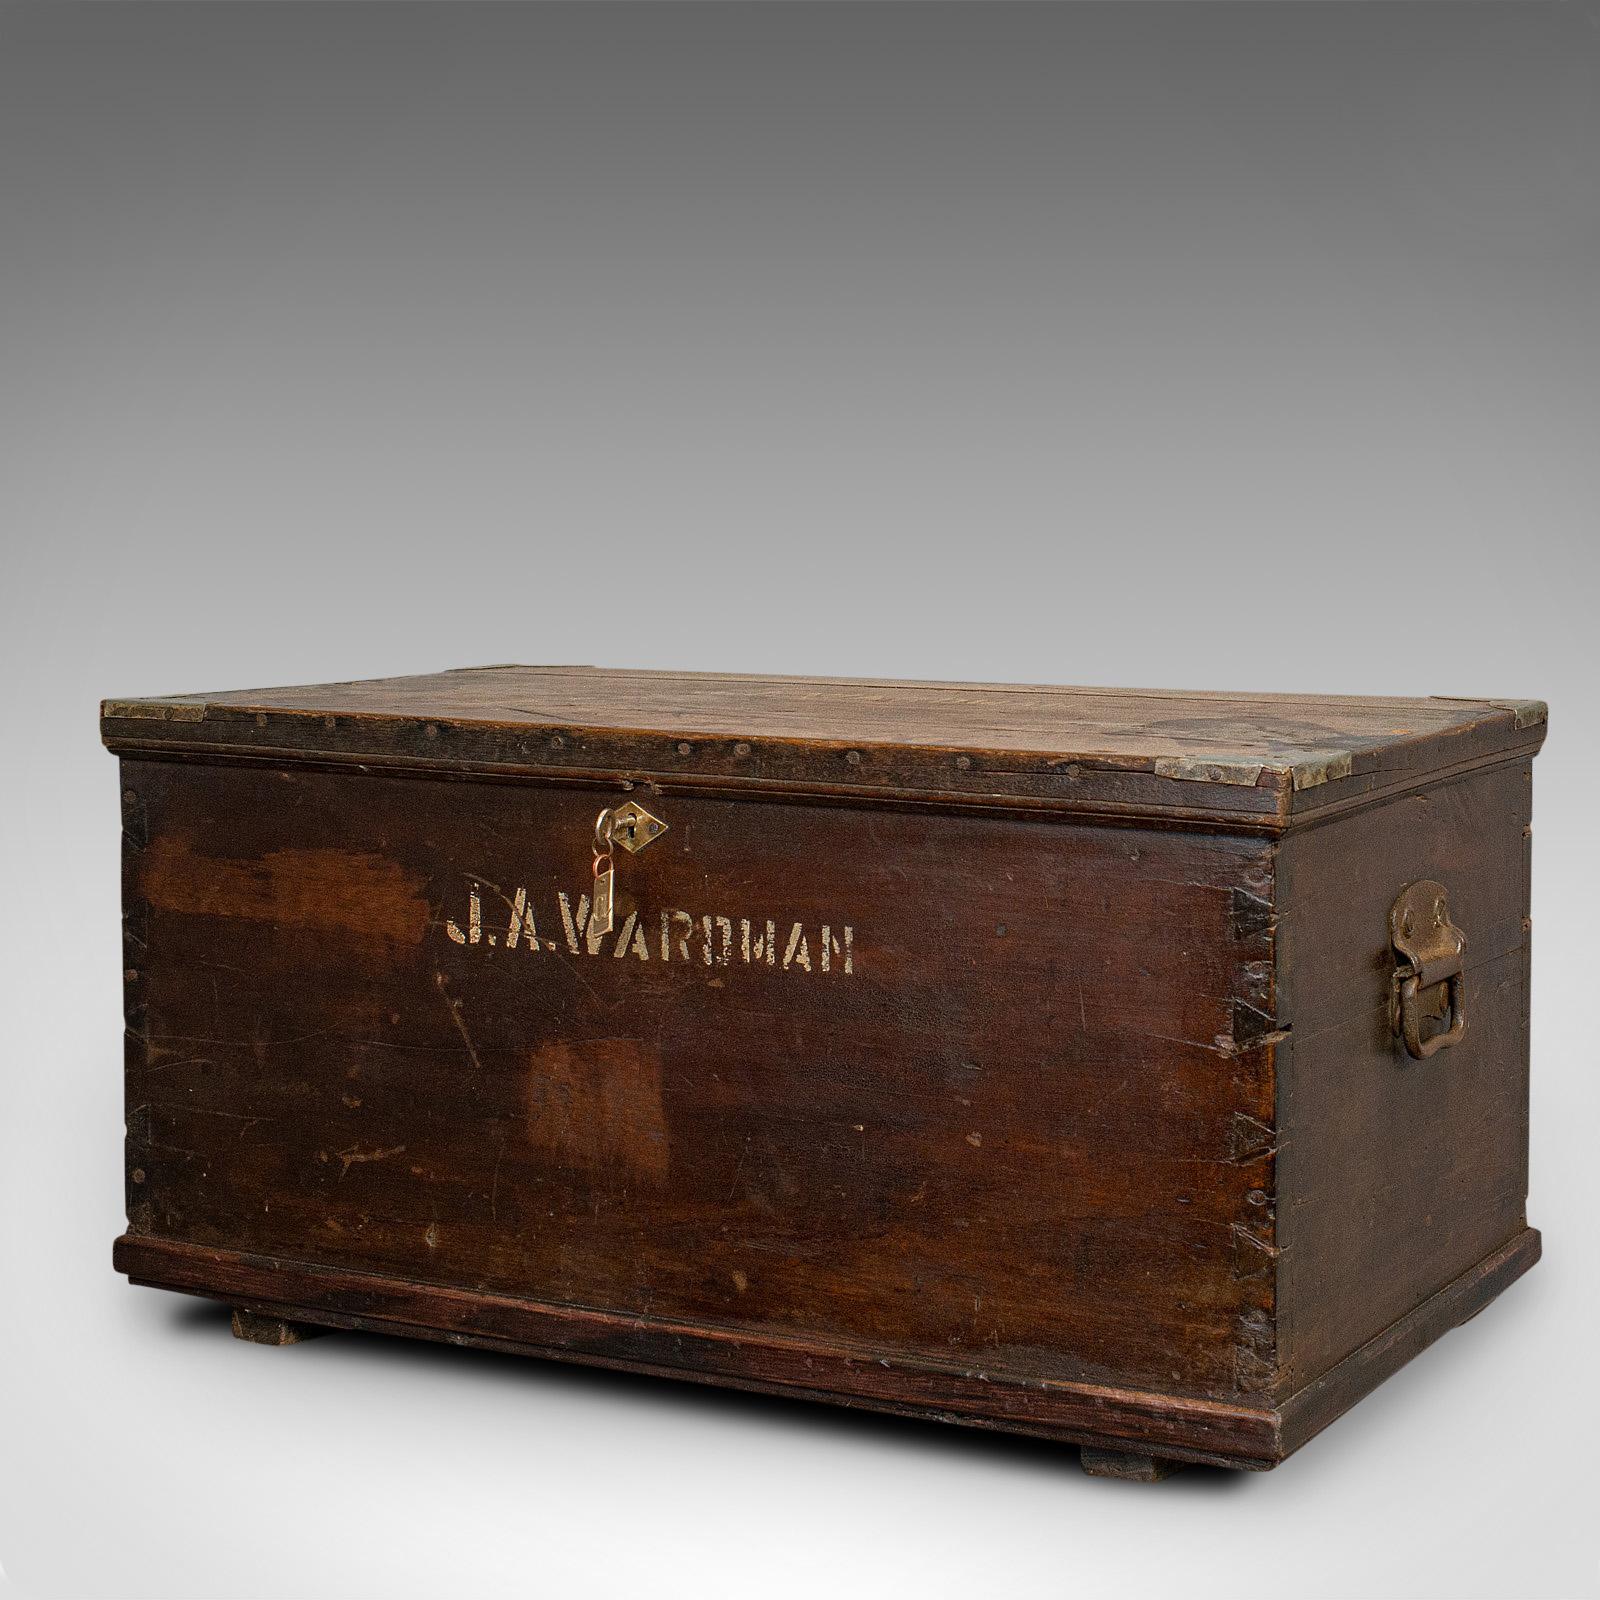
(633, 827)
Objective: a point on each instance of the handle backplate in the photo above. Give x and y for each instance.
(1429, 984)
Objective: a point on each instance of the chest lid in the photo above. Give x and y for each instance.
(1257, 761)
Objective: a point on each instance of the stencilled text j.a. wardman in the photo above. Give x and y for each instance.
(705, 938)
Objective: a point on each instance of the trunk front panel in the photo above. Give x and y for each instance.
(906, 1080)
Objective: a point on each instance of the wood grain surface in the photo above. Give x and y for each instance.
(1398, 1174)
(1007, 1135)
(1251, 760)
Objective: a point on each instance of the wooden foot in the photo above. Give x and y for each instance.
(1130, 1467)
(259, 1329)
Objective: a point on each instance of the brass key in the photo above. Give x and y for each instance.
(600, 914)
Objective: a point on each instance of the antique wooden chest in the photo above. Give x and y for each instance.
(1143, 1070)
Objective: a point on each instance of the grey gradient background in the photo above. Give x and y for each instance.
(1207, 346)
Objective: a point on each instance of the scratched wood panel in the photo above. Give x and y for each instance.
(1398, 1175)
(1138, 722)
(964, 1086)
(1245, 760)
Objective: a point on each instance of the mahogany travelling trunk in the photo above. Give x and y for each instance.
(1143, 1070)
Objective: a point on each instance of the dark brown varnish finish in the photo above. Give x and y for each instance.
(1016, 1056)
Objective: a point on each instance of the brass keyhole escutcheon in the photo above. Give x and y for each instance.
(633, 827)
